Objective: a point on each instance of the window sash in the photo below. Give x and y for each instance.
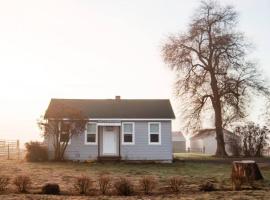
(89, 137)
(152, 131)
(128, 133)
(151, 137)
(91, 129)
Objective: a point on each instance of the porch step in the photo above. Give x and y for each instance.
(109, 158)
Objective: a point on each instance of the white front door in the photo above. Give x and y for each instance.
(109, 141)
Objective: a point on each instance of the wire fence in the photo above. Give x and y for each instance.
(10, 149)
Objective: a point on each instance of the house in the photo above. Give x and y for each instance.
(126, 129)
(204, 141)
(179, 142)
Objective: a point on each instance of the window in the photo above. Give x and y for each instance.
(91, 133)
(128, 133)
(154, 133)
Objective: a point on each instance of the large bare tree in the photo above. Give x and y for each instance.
(212, 69)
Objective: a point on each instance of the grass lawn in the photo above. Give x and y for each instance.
(193, 175)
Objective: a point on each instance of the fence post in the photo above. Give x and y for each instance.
(18, 148)
(8, 151)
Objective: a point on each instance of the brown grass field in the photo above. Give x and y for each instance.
(193, 175)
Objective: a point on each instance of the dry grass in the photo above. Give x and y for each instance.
(192, 173)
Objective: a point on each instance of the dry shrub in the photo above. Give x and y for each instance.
(22, 182)
(207, 186)
(147, 184)
(104, 182)
(175, 183)
(83, 184)
(4, 181)
(51, 188)
(124, 187)
(36, 152)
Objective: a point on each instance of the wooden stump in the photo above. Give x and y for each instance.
(245, 171)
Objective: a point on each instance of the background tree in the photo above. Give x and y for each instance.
(254, 138)
(59, 131)
(212, 70)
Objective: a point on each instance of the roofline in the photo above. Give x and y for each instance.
(121, 119)
(165, 99)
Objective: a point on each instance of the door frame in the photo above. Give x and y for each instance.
(118, 133)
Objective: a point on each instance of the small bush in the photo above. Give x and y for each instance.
(175, 183)
(35, 152)
(22, 182)
(51, 188)
(207, 186)
(124, 187)
(83, 184)
(4, 181)
(147, 184)
(104, 183)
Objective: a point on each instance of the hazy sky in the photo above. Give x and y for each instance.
(95, 49)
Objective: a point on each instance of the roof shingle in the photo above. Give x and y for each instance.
(110, 108)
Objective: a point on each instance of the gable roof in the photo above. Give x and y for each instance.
(110, 108)
(208, 132)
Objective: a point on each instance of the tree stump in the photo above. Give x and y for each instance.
(245, 171)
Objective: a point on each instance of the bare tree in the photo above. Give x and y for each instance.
(254, 138)
(212, 70)
(59, 131)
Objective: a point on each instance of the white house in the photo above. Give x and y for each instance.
(205, 141)
(179, 142)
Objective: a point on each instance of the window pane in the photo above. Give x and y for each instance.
(64, 137)
(128, 128)
(154, 137)
(128, 138)
(91, 128)
(154, 128)
(91, 137)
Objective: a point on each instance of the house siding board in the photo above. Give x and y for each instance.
(141, 150)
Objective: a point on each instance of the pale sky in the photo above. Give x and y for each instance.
(96, 49)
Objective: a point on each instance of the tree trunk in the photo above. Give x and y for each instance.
(219, 134)
(221, 152)
(245, 171)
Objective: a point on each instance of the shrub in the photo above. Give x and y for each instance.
(35, 152)
(147, 183)
(104, 183)
(4, 181)
(207, 186)
(51, 188)
(22, 182)
(83, 184)
(175, 183)
(124, 187)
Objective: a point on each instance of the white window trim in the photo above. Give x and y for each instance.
(85, 135)
(159, 134)
(133, 133)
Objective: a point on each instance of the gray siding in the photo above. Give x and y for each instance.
(141, 150)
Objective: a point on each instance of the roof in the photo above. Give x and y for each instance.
(110, 108)
(178, 136)
(207, 132)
